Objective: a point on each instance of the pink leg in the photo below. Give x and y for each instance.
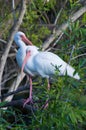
(30, 95)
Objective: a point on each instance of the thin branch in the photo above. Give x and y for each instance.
(48, 21)
(73, 48)
(78, 56)
(64, 26)
(20, 89)
(13, 9)
(55, 42)
(3, 41)
(60, 36)
(9, 78)
(55, 22)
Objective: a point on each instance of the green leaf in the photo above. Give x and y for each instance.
(73, 117)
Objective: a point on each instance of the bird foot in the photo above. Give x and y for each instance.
(28, 100)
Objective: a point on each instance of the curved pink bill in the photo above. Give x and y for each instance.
(28, 54)
(26, 40)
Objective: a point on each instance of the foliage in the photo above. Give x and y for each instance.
(67, 102)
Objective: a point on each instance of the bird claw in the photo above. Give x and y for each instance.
(28, 100)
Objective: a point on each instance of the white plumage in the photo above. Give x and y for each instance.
(47, 63)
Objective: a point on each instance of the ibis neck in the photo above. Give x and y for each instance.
(20, 44)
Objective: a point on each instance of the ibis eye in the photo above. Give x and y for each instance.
(21, 36)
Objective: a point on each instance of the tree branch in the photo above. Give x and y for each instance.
(10, 40)
(14, 86)
(20, 89)
(18, 103)
(64, 26)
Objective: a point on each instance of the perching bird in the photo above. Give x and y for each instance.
(34, 62)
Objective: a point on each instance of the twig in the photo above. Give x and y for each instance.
(13, 9)
(64, 26)
(20, 89)
(3, 41)
(55, 22)
(60, 36)
(55, 42)
(71, 54)
(78, 56)
(48, 21)
(7, 79)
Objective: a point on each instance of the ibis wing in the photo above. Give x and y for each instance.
(47, 62)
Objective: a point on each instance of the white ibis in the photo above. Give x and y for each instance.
(35, 62)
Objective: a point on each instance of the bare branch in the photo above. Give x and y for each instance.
(20, 89)
(15, 29)
(3, 41)
(78, 56)
(64, 26)
(57, 17)
(13, 8)
(73, 48)
(14, 86)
